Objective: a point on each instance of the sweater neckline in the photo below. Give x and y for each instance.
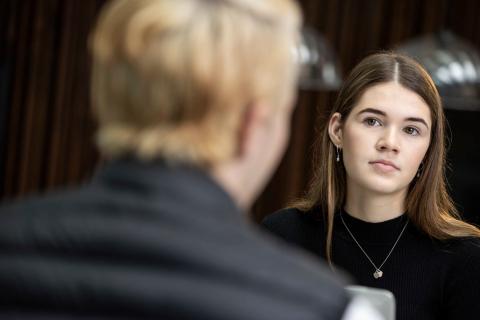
(385, 232)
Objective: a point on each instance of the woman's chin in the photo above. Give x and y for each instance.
(384, 186)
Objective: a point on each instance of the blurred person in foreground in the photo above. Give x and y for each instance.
(193, 100)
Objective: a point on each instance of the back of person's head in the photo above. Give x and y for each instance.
(171, 77)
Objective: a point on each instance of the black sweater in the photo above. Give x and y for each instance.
(430, 279)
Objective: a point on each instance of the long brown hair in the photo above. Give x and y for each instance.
(428, 204)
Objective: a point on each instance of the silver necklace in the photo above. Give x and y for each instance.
(378, 270)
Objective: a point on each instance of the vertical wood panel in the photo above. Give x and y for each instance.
(20, 30)
(49, 135)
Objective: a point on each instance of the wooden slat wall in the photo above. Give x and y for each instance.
(49, 129)
(49, 132)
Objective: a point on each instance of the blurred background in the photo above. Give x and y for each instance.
(46, 131)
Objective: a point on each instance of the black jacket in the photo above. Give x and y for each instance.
(147, 240)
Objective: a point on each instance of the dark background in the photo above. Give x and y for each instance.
(46, 132)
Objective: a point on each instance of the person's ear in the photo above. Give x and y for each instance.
(335, 129)
(252, 119)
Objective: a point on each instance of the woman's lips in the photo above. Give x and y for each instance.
(384, 166)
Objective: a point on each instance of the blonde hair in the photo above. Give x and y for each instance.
(428, 204)
(171, 78)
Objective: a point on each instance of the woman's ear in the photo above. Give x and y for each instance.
(335, 129)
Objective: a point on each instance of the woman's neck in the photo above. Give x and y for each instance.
(374, 207)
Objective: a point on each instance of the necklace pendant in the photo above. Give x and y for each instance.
(378, 274)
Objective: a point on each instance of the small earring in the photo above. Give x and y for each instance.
(420, 169)
(338, 154)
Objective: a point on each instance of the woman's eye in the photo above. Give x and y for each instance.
(412, 131)
(371, 122)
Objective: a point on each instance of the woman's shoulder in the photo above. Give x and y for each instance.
(464, 248)
(463, 278)
(294, 225)
(462, 255)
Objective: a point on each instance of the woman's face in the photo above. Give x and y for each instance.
(384, 139)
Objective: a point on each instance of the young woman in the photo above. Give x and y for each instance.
(378, 205)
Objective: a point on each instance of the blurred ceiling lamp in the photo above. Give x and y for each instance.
(454, 66)
(319, 66)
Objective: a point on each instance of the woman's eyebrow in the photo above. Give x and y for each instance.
(372, 110)
(417, 120)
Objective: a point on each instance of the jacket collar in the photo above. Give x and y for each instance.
(186, 186)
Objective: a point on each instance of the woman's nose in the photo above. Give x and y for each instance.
(388, 141)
